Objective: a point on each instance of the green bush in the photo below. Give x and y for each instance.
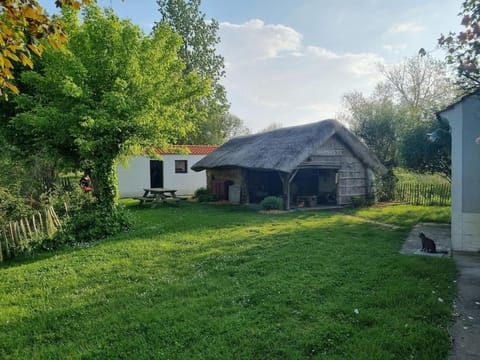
(204, 195)
(361, 201)
(272, 203)
(84, 219)
(70, 202)
(92, 223)
(12, 207)
(358, 201)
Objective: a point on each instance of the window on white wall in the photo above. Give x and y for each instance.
(180, 166)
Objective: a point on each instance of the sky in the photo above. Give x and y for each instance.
(289, 62)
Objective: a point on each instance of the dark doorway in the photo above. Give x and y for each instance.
(327, 187)
(313, 186)
(305, 182)
(262, 184)
(156, 173)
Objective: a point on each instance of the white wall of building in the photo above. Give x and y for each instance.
(186, 184)
(134, 177)
(465, 222)
(454, 116)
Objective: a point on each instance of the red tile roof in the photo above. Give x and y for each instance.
(192, 149)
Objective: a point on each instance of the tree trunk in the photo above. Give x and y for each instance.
(104, 184)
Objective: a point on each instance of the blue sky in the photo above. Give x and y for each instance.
(290, 61)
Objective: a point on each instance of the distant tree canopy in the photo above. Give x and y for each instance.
(198, 50)
(272, 126)
(420, 84)
(395, 120)
(111, 90)
(375, 120)
(427, 147)
(23, 26)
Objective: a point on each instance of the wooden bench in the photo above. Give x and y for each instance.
(154, 200)
(144, 199)
(158, 196)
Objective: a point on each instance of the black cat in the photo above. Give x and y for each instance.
(428, 245)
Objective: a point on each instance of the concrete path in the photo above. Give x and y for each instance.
(439, 232)
(465, 331)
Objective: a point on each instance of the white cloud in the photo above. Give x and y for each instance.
(395, 48)
(273, 77)
(260, 40)
(410, 27)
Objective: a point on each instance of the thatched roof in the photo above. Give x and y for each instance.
(284, 149)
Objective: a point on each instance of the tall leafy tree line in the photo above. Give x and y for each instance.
(405, 104)
(198, 51)
(396, 120)
(111, 91)
(107, 92)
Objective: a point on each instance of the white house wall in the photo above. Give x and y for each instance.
(465, 127)
(471, 156)
(470, 175)
(133, 178)
(187, 183)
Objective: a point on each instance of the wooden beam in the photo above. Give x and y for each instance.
(284, 177)
(292, 175)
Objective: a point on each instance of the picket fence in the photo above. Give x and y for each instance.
(19, 236)
(423, 194)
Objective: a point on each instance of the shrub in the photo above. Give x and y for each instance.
(12, 207)
(69, 202)
(92, 223)
(84, 219)
(272, 203)
(361, 201)
(204, 195)
(358, 201)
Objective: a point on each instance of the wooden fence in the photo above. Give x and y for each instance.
(423, 194)
(19, 236)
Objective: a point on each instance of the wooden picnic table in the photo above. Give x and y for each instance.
(157, 196)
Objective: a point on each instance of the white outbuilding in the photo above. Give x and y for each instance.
(172, 171)
(464, 119)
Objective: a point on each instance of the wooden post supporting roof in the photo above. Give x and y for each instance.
(287, 179)
(285, 189)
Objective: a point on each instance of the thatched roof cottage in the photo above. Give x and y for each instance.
(318, 163)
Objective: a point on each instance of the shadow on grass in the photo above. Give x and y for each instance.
(224, 282)
(175, 222)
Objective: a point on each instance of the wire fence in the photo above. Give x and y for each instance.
(423, 194)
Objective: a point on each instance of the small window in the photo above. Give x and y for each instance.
(180, 166)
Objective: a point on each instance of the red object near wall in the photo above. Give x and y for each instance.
(218, 188)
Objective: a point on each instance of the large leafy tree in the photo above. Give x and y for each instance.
(421, 84)
(464, 47)
(427, 148)
(198, 50)
(111, 90)
(375, 119)
(23, 26)
(396, 119)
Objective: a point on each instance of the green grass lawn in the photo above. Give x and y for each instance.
(221, 282)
